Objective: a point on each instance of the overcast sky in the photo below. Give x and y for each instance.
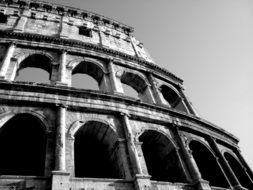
(209, 44)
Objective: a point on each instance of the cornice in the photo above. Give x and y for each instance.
(65, 10)
(74, 43)
(98, 95)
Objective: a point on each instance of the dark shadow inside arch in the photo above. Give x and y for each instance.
(208, 166)
(22, 146)
(173, 99)
(161, 157)
(35, 68)
(97, 152)
(3, 18)
(87, 75)
(239, 171)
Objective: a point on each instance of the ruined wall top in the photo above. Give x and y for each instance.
(63, 22)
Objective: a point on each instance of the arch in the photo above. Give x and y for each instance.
(96, 150)
(75, 126)
(207, 164)
(91, 67)
(238, 170)
(38, 63)
(161, 157)
(23, 146)
(172, 97)
(72, 64)
(4, 117)
(135, 80)
(22, 56)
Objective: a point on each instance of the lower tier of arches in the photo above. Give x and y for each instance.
(98, 149)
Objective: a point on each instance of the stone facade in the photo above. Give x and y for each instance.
(57, 137)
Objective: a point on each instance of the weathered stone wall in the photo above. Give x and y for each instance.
(71, 41)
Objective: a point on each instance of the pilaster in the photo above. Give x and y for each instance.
(22, 21)
(113, 79)
(197, 180)
(6, 60)
(60, 178)
(141, 180)
(62, 69)
(245, 164)
(123, 155)
(154, 89)
(60, 161)
(229, 172)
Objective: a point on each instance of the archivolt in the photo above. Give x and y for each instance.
(4, 117)
(159, 131)
(72, 64)
(78, 124)
(22, 56)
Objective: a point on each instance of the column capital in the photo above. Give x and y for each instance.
(12, 44)
(61, 105)
(177, 123)
(111, 59)
(64, 50)
(125, 114)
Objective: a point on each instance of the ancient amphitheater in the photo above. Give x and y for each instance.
(57, 136)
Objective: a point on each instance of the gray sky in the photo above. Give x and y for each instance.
(209, 44)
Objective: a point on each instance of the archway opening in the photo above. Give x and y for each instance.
(84, 81)
(161, 157)
(97, 152)
(133, 85)
(172, 98)
(33, 75)
(22, 146)
(129, 91)
(208, 166)
(239, 171)
(35, 68)
(87, 75)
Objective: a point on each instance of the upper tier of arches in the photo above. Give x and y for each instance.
(95, 74)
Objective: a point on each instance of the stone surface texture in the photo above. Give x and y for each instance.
(154, 142)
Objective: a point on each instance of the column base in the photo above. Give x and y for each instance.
(142, 182)
(202, 185)
(239, 187)
(58, 83)
(60, 180)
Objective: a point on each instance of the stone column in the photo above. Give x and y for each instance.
(141, 181)
(230, 174)
(62, 69)
(60, 164)
(155, 91)
(63, 31)
(60, 178)
(122, 154)
(6, 60)
(113, 79)
(248, 169)
(192, 166)
(131, 145)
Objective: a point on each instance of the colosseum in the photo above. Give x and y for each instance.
(56, 136)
